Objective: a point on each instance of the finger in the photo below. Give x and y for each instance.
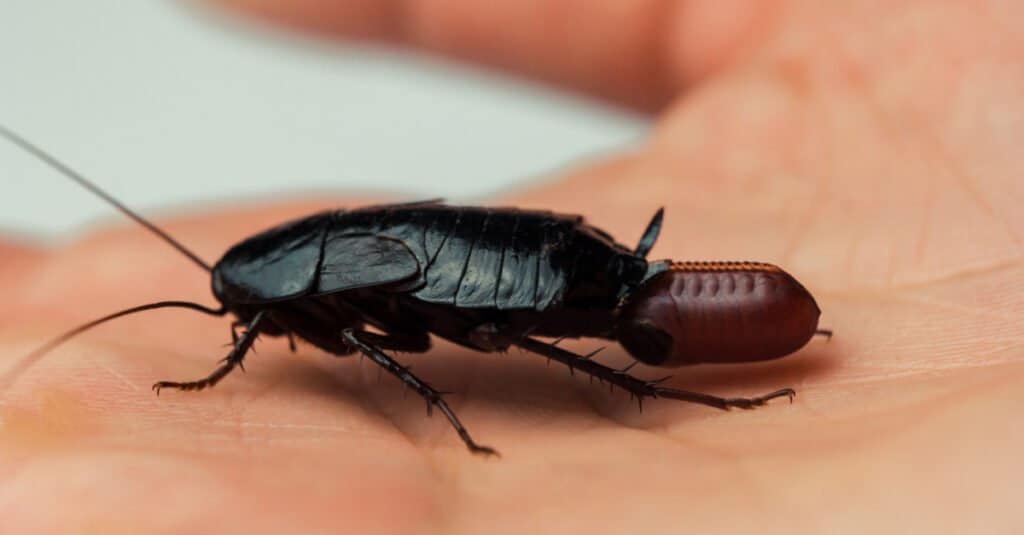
(639, 53)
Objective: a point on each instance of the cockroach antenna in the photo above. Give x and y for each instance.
(53, 162)
(95, 190)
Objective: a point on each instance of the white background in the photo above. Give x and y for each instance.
(167, 106)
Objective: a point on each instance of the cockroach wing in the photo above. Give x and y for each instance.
(353, 261)
(274, 265)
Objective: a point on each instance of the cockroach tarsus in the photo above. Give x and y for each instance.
(487, 279)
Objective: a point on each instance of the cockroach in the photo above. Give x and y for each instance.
(487, 279)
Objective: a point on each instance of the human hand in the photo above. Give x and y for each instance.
(867, 149)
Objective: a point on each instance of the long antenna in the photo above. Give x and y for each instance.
(34, 356)
(85, 183)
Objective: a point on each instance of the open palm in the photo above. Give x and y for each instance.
(869, 148)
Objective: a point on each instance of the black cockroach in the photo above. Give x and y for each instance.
(487, 279)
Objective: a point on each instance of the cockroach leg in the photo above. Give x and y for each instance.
(359, 340)
(397, 341)
(291, 342)
(641, 388)
(235, 325)
(242, 345)
(723, 403)
(827, 333)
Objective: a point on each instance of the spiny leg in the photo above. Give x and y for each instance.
(639, 387)
(234, 358)
(235, 325)
(408, 342)
(359, 340)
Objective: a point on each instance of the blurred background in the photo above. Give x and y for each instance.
(169, 106)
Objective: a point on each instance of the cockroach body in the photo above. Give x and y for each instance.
(489, 279)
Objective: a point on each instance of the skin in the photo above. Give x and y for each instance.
(869, 148)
